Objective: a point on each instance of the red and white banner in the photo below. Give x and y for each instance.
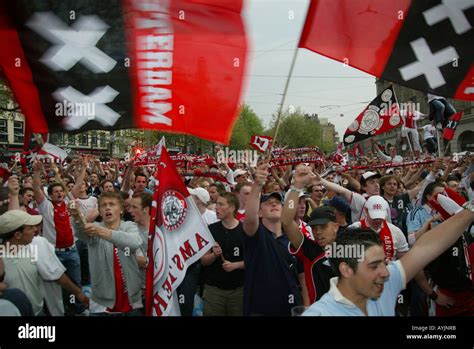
(453, 123)
(176, 66)
(178, 237)
(261, 143)
(425, 45)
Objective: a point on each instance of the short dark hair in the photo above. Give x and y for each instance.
(24, 190)
(220, 187)
(106, 181)
(145, 199)
(140, 175)
(232, 200)
(429, 190)
(54, 185)
(354, 237)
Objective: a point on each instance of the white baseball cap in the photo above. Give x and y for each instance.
(239, 172)
(14, 219)
(201, 193)
(369, 174)
(377, 207)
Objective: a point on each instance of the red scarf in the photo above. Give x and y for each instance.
(386, 237)
(62, 224)
(122, 304)
(306, 230)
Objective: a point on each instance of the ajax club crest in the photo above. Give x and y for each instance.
(173, 209)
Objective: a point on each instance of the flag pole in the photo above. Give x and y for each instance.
(283, 98)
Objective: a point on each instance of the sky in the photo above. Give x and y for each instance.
(319, 85)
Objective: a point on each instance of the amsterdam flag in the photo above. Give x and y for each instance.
(261, 143)
(380, 116)
(178, 237)
(453, 122)
(424, 44)
(175, 66)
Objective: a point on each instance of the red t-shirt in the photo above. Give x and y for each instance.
(122, 304)
(62, 224)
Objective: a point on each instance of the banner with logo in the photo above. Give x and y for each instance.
(380, 116)
(178, 237)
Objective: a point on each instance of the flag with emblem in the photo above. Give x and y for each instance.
(175, 66)
(425, 45)
(178, 237)
(450, 129)
(261, 143)
(380, 116)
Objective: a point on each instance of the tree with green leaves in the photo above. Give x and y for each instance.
(247, 125)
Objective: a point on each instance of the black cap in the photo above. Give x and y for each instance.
(275, 194)
(339, 203)
(322, 215)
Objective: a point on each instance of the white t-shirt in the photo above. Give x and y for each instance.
(50, 269)
(400, 243)
(40, 272)
(429, 131)
(432, 97)
(209, 217)
(86, 205)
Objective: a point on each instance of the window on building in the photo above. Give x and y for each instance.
(60, 138)
(71, 139)
(94, 139)
(103, 143)
(18, 135)
(83, 139)
(3, 130)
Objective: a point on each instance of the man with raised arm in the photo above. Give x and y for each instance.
(370, 286)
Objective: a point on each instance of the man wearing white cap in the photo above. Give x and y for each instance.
(202, 199)
(369, 182)
(240, 176)
(394, 242)
(31, 262)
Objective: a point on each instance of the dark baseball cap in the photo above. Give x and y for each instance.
(275, 195)
(339, 203)
(322, 215)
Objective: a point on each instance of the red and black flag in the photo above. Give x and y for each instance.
(380, 116)
(175, 66)
(453, 122)
(422, 44)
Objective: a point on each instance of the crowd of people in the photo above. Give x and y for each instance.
(74, 238)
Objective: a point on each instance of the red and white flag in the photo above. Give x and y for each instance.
(425, 45)
(453, 123)
(356, 151)
(178, 237)
(176, 66)
(51, 150)
(261, 143)
(380, 116)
